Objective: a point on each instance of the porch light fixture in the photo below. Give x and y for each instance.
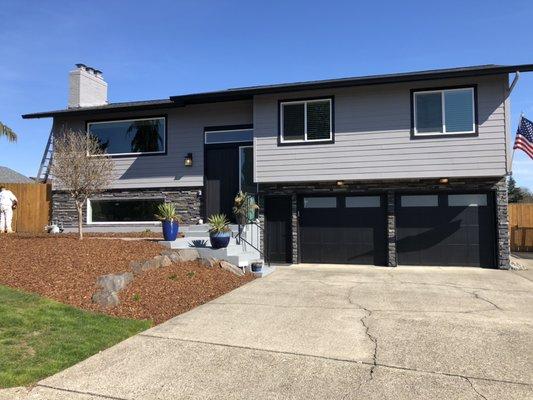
(443, 181)
(188, 160)
(340, 183)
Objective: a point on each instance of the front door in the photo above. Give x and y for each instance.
(228, 167)
(222, 179)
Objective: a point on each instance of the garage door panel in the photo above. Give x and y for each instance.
(447, 235)
(353, 235)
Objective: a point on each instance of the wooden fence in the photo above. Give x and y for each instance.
(521, 226)
(34, 206)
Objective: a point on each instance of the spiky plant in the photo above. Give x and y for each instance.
(218, 223)
(167, 212)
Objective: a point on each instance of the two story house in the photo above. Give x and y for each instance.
(405, 168)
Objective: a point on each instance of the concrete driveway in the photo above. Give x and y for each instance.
(330, 332)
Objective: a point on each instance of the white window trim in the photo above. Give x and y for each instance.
(443, 105)
(127, 120)
(89, 215)
(305, 102)
(227, 130)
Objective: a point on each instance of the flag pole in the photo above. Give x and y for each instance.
(512, 154)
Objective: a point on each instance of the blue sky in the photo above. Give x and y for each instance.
(150, 50)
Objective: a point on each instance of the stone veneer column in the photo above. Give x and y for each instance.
(502, 225)
(294, 226)
(392, 258)
(261, 218)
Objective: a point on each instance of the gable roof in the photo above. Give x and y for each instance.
(245, 93)
(7, 175)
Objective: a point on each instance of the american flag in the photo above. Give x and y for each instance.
(524, 137)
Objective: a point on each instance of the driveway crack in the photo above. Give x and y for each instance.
(372, 338)
(474, 388)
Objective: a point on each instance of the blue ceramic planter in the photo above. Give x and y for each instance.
(170, 230)
(219, 240)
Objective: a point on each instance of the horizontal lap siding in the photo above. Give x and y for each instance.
(373, 137)
(185, 128)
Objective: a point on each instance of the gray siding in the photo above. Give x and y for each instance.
(185, 127)
(373, 138)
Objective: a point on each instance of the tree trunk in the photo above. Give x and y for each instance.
(79, 207)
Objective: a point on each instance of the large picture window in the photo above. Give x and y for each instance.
(444, 112)
(306, 121)
(122, 210)
(130, 137)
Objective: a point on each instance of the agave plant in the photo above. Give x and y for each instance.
(218, 223)
(167, 212)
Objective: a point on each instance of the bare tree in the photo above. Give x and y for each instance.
(81, 167)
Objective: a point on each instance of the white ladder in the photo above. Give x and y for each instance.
(46, 161)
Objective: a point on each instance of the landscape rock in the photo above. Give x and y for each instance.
(163, 261)
(231, 268)
(187, 254)
(139, 267)
(114, 282)
(106, 299)
(209, 262)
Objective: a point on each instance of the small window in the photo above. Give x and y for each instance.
(363, 201)
(306, 121)
(229, 136)
(320, 202)
(449, 111)
(420, 201)
(467, 200)
(130, 137)
(122, 210)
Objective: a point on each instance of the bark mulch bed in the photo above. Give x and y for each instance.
(65, 269)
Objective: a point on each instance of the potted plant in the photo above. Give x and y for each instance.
(244, 208)
(169, 218)
(219, 231)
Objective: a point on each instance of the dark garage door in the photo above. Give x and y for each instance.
(446, 229)
(342, 229)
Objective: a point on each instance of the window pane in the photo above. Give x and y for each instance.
(318, 120)
(363, 201)
(428, 112)
(458, 110)
(293, 121)
(247, 170)
(467, 200)
(229, 136)
(320, 202)
(420, 201)
(124, 210)
(140, 136)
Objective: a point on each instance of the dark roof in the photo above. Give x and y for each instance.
(7, 175)
(244, 93)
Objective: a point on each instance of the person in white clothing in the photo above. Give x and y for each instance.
(8, 202)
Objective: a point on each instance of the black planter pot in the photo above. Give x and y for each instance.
(257, 267)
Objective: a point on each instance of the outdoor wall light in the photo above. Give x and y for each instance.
(443, 181)
(188, 160)
(340, 183)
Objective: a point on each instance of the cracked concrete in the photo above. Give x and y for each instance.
(329, 332)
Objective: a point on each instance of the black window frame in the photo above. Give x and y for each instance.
(89, 211)
(330, 140)
(136, 118)
(430, 135)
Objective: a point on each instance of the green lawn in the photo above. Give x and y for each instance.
(39, 337)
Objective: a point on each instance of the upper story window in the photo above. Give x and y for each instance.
(444, 112)
(130, 136)
(306, 121)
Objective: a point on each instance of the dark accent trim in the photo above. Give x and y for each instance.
(247, 93)
(227, 127)
(309, 142)
(444, 135)
(135, 155)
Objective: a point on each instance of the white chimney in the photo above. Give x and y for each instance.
(86, 87)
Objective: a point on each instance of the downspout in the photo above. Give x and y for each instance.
(508, 123)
